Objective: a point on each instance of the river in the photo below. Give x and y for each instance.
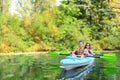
(46, 67)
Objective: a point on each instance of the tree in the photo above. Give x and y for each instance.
(4, 6)
(29, 7)
(41, 5)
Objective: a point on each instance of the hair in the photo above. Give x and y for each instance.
(81, 41)
(86, 46)
(80, 51)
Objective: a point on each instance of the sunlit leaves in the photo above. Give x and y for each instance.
(44, 26)
(27, 22)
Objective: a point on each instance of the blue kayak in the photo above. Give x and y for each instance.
(76, 73)
(71, 62)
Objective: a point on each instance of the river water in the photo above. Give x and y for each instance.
(46, 67)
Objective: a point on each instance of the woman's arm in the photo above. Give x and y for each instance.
(73, 53)
(91, 52)
(85, 52)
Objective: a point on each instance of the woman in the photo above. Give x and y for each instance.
(79, 52)
(87, 50)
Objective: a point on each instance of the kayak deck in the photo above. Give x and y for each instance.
(72, 62)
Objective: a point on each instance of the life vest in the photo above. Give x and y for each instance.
(79, 52)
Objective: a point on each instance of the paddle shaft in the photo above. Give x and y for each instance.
(95, 56)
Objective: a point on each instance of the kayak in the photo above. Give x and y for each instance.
(76, 73)
(71, 62)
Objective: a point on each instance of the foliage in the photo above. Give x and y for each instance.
(13, 36)
(50, 27)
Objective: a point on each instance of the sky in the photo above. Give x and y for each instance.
(58, 2)
(12, 8)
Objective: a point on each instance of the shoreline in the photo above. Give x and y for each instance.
(21, 53)
(44, 52)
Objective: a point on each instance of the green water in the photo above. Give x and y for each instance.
(46, 67)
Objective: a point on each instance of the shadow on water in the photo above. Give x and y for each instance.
(76, 73)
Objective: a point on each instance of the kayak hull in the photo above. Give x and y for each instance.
(71, 62)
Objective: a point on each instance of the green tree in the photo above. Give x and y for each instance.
(96, 15)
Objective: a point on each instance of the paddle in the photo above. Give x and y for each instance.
(96, 55)
(109, 56)
(110, 67)
(55, 53)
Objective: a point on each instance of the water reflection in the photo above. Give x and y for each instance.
(118, 66)
(103, 69)
(76, 73)
(45, 67)
(29, 67)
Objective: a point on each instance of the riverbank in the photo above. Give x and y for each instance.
(22, 53)
(44, 52)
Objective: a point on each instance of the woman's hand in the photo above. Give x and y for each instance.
(86, 52)
(73, 53)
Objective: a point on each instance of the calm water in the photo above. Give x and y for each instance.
(45, 67)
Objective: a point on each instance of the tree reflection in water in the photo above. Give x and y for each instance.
(118, 65)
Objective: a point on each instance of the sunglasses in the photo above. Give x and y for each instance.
(87, 45)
